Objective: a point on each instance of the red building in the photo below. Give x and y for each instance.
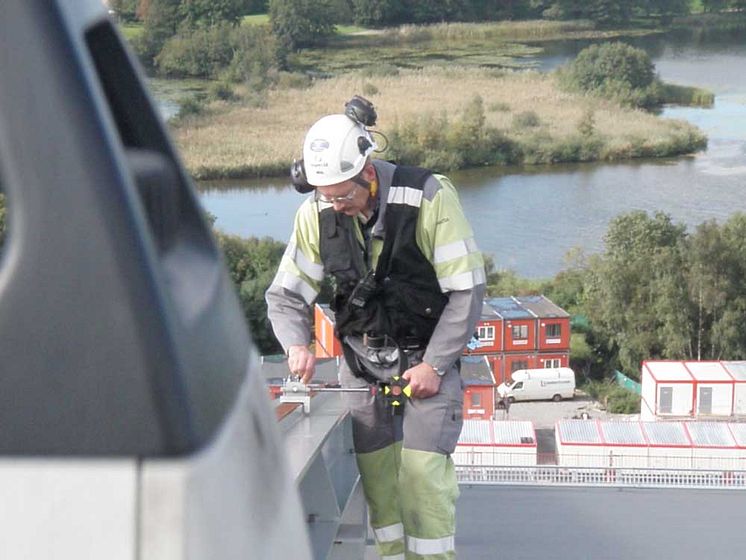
(522, 333)
(479, 388)
(327, 345)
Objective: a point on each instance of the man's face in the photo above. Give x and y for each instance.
(347, 197)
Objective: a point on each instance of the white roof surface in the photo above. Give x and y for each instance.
(663, 434)
(668, 371)
(708, 371)
(578, 431)
(497, 433)
(739, 432)
(736, 369)
(622, 433)
(710, 434)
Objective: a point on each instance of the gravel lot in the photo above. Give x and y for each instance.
(544, 414)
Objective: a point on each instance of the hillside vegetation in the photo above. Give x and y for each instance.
(533, 120)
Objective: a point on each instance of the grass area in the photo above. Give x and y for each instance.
(243, 141)
(255, 19)
(131, 30)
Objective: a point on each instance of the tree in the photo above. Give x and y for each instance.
(252, 264)
(161, 20)
(613, 70)
(211, 12)
(301, 23)
(377, 12)
(126, 10)
(635, 293)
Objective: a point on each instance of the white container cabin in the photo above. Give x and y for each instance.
(496, 443)
(666, 390)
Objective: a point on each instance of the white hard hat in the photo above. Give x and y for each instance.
(335, 150)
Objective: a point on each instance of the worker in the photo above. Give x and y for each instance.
(408, 287)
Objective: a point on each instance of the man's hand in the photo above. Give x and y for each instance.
(423, 380)
(301, 362)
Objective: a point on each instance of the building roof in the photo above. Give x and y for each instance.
(476, 370)
(667, 371)
(509, 308)
(707, 371)
(666, 434)
(498, 433)
(488, 312)
(523, 307)
(542, 307)
(710, 434)
(578, 431)
(737, 370)
(622, 433)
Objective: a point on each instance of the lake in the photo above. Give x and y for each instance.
(528, 218)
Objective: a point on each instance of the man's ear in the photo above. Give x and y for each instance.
(369, 172)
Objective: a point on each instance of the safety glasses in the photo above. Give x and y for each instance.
(334, 199)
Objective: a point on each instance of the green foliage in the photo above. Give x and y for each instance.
(432, 141)
(126, 10)
(614, 70)
(526, 119)
(377, 13)
(685, 95)
(587, 124)
(222, 91)
(190, 106)
(252, 264)
(615, 399)
(209, 13)
(248, 54)
(161, 20)
(301, 23)
(199, 53)
(636, 291)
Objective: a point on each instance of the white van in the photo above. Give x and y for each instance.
(539, 384)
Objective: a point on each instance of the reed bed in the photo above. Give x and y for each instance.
(234, 141)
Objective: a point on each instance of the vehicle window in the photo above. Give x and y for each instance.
(518, 385)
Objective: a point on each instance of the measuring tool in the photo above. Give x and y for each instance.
(395, 392)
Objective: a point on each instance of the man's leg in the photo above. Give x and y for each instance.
(377, 440)
(427, 479)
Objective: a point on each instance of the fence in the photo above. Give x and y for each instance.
(626, 383)
(581, 476)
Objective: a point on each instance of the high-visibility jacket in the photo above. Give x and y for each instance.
(443, 236)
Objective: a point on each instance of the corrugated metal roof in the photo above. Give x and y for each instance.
(622, 433)
(578, 431)
(509, 432)
(476, 431)
(488, 313)
(739, 433)
(542, 307)
(710, 434)
(668, 371)
(736, 369)
(665, 433)
(475, 370)
(708, 371)
(508, 308)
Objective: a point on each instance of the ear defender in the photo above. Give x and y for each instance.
(298, 177)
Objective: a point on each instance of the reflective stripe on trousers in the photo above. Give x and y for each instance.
(411, 499)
